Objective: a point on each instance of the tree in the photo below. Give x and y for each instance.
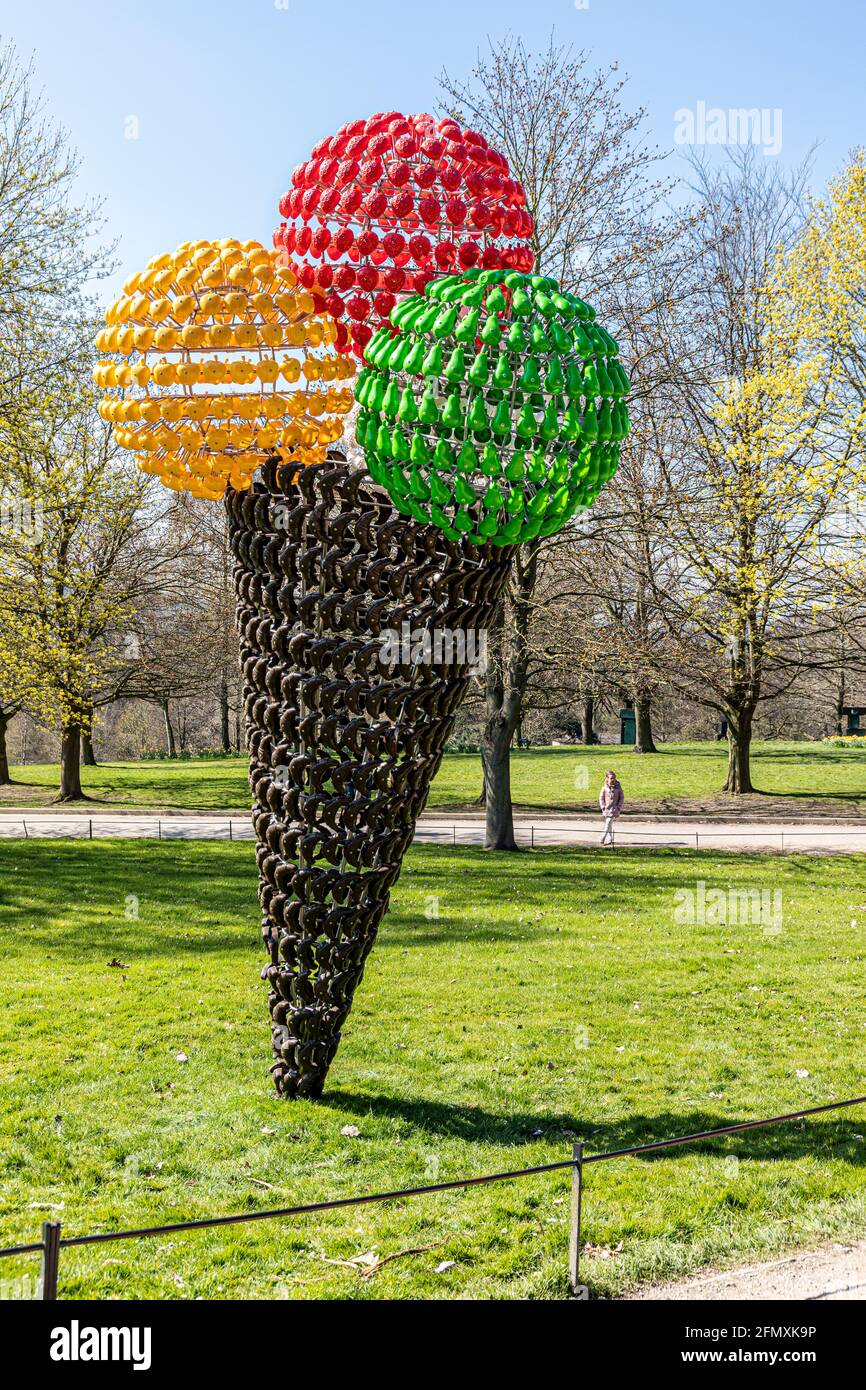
(48, 251)
(48, 254)
(751, 465)
(69, 592)
(185, 633)
(10, 698)
(605, 584)
(581, 159)
(10, 704)
(819, 308)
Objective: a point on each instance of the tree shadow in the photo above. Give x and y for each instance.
(794, 1139)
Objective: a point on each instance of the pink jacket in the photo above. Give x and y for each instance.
(611, 799)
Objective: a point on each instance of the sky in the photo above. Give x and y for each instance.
(189, 115)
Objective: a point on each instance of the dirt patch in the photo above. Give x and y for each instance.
(24, 794)
(833, 1273)
(732, 810)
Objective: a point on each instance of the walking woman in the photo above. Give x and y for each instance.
(611, 800)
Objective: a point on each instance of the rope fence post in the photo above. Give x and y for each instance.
(50, 1263)
(576, 1289)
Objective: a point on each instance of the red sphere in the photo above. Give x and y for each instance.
(385, 204)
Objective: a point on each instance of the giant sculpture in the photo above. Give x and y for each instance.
(491, 410)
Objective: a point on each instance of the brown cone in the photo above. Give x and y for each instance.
(343, 746)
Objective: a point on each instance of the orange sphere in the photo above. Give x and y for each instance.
(220, 361)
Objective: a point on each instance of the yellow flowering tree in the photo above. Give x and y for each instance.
(753, 454)
(819, 312)
(49, 254)
(89, 548)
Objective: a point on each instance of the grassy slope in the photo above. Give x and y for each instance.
(805, 777)
(464, 1054)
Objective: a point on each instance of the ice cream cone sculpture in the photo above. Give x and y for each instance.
(223, 364)
(492, 409)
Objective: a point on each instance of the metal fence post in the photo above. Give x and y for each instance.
(575, 1288)
(50, 1260)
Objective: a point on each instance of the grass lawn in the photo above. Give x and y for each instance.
(795, 779)
(554, 997)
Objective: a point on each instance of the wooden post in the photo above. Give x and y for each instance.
(50, 1260)
(576, 1289)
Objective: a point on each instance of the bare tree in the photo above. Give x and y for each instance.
(588, 175)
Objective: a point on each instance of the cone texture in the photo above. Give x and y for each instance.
(345, 730)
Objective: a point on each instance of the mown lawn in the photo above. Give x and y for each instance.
(807, 778)
(554, 996)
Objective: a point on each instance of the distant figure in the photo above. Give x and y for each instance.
(611, 800)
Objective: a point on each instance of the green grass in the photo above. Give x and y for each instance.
(804, 778)
(555, 996)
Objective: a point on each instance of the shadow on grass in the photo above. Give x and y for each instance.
(835, 1138)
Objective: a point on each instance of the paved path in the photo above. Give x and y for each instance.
(835, 1273)
(463, 830)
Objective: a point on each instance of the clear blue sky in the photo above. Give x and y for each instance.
(231, 94)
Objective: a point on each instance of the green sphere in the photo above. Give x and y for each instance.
(492, 406)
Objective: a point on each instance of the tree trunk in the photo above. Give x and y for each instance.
(840, 704)
(507, 678)
(588, 717)
(88, 757)
(5, 778)
(70, 763)
(225, 732)
(739, 778)
(170, 746)
(481, 799)
(644, 742)
(498, 733)
(496, 744)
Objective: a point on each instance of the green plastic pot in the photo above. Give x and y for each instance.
(492, 406)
